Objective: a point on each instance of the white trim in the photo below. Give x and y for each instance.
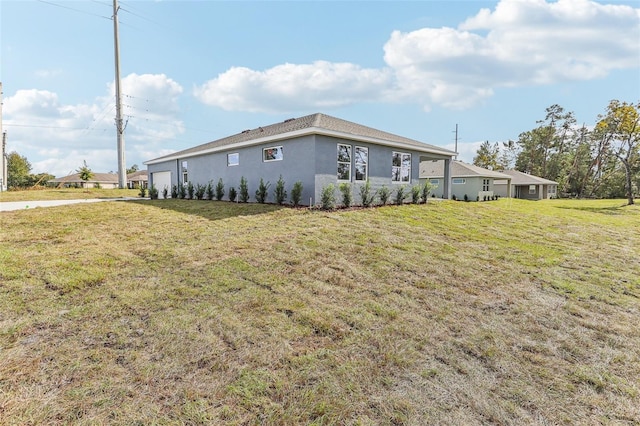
(277, 148)
(237, 157)
(355, 164)
(305, 132)
(338, 162)
(402, 154)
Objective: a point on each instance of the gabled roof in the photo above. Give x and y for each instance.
(97, 177)
(520, 178)
(138, 175)
(435, 169)
(311, 124)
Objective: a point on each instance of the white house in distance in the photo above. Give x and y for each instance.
(466, 179)
(526, 187)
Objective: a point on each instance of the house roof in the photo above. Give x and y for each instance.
(435, 169)
(138, 175)
(97, 177)
(520, 178)
(311, 124)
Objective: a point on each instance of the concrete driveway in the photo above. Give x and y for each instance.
(22, 205)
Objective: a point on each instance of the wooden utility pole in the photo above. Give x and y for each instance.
(122, 168)
(456, 147)
(5, 158)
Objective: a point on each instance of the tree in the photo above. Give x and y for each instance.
(487, 156)
(18, 169)
(508, 155)
(619, 129)
(133, 169)
(85, 172)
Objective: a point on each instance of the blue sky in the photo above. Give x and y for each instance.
(196, 71)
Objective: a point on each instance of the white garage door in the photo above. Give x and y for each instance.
(162, 180)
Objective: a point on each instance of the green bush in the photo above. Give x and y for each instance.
(384, 193)
(347, 197)
(232, 194)
(182, 191)
(401, 195)
(209, 191)
(426, 189)
(174, 191)
(153, 192)
(200, 190)
(416, 191)
(165, 192)
(296, 194)
(366, 196)
(143, 192)
(279, 193)
(262, 191)
(219, 190)
(328, 197)
(243, 196)
(190, 190)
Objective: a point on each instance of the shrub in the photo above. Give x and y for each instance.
(453, 197)
(365, 194)
(262, 191)
(174, 191)
(400, 195)
(296, 194)
(209, 191)
(384, 193)
(478, 198)
(200, 190)
(143, 192)
(466, 197)
(219, 190)
(328, 197)
(97, 185)
(165, 192)
(182, 193)
(153, 192)
(243, 196)
(279, 193)
(190, 190)
(426, 189)
(416, 191)
(347, 197)
(232, 194)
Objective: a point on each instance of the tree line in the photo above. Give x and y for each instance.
(602, 161)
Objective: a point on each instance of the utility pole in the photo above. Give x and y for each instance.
(456, 148)
(4, 160)
(122, 168)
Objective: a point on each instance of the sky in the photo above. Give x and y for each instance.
(196, 71)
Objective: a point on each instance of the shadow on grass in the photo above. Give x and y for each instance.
(609, 210)
(212, 210)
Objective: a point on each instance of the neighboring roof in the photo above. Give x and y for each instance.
(520, 178)
(138, 175)
(435, 169)
(311, 124)
(97, 177)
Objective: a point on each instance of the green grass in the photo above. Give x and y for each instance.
(200, 312)
(66, 194)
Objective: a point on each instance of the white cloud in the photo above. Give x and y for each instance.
(39, 125)
(519, 43)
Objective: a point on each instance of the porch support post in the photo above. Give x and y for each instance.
(446, 193)
(540, 194)
(508, 188)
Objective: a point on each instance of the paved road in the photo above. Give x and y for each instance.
(21, 205)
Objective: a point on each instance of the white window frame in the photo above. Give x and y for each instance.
(185, 172)
(231, 157)
(532, 189)
(343, 163)
(403, 170)
(458, 181)
(278, 156)
(434, 182)
(486, 183)
(365, 163)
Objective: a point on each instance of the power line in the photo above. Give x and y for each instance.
(74, 9)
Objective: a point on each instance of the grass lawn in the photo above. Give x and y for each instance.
(66, 194)
(201, 312)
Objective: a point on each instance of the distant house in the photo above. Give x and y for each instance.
(102, 180)
(475, 182)
(527, 187)
(316, 150)
(138, 179)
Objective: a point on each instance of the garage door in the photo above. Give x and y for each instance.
(162, 180)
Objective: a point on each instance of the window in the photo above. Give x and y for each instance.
(400, 167)
(532, 189)
(185, 175)
(362, 162)
(552, 189)
(485, 184)
(458, 181)
(233, 159)
(273, 153)
(434, 182)
(344, 162)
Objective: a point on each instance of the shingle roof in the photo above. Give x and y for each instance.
(97, 177)
(458, 169)
(520, 178)
(315, 123)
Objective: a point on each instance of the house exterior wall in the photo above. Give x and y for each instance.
(472, 187)
(542, 191)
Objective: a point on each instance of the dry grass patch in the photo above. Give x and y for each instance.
(175, 312)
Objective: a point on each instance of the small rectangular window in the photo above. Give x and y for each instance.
(485, 184)
(273, 153)
(233, 159)
(185, 174)
(400, 167)
(344, 162)
(458, 181)
(362, 163)
(532, 189)
(434, 182)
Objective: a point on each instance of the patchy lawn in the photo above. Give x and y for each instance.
(66, 194)
(197, 312)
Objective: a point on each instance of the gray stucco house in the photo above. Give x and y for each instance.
(473, 181)
(316, 150)
(527, 187)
